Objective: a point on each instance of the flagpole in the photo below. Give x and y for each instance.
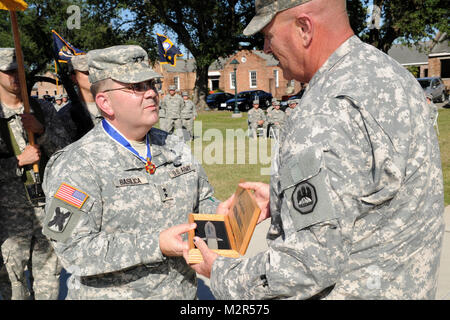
(22, 81)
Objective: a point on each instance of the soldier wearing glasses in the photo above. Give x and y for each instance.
(118, 197)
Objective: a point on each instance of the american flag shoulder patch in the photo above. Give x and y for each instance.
(71, 195)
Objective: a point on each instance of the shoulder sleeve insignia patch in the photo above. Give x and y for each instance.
(304, 198)
(71, 195)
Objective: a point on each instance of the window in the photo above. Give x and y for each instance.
(275, 76)
(253, 83)
(176, 82)
(445, 68)
(232, 81)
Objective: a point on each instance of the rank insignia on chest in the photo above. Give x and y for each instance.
(304, 198)
(181, 170)
(70, 195)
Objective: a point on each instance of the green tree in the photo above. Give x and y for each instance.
(208, 29)
(408, 22)
(36, 23)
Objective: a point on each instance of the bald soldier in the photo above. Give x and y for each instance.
(356, 193)
(118, 198)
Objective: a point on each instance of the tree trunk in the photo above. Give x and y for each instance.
(201, 87)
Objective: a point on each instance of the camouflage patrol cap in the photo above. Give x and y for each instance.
(58, 97)
(266, 10)
(124, 63)
(275, 102)
(7, 59)
(80, 63)
(256, 101)
(185, 94)
(294, 101)
(172, 87)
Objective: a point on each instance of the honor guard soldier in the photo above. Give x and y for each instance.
(173, 104)
(81, 113)
(118, 198)
(356, 194)
(188, 114)
(257, 119)
(21, 197)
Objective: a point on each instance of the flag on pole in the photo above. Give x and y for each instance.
(63, 49)
(168, 53)
(13, 5)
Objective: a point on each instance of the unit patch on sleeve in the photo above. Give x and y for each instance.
(304, 198)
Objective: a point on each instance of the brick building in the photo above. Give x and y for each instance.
(255, 71)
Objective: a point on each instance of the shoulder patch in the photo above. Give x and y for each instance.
(304, 198)
(71, 195)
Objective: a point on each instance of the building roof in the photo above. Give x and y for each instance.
(408, 55)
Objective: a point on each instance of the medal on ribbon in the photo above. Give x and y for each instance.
(150, 167)
(116, 136)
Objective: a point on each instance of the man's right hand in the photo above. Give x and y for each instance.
(30, 155)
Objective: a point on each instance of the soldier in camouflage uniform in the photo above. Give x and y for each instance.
(172, 104)
(356, 193)
(116, 197)
(291, 106)
(162, 112)
(58, 102)
(256, 119)
(21, 236)
(276, 119)
(188, 114)
(80, 116)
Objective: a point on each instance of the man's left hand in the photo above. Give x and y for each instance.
(209, 256)
(30, 122)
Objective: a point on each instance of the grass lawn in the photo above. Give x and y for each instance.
(219, 161)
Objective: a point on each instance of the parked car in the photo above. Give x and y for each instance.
(433, 86)
(215, 100)
(245, 100)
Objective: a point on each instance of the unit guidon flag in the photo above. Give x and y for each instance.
(71, 195)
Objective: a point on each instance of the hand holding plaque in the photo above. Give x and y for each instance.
(227, 235)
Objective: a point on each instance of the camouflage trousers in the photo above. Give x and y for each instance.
(253, 130)
(24, 246)
(173, 124)
(163, 123)
(188, 123)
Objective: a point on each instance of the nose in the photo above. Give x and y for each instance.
(267, 49)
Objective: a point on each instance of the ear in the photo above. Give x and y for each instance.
(305, 29)
(104, 103)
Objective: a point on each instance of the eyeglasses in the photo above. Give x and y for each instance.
(138, 88)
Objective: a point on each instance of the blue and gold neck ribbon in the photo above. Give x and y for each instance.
(119, 138)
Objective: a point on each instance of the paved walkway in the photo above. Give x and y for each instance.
(258, 244)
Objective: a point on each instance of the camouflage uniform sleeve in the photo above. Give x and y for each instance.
(55, 136)
(82, 241)
(316, 197)
(9, 168)
(207, 202)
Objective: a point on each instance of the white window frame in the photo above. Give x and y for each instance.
(256, 79)
(176, 82)
(276, 75)
(232, 81)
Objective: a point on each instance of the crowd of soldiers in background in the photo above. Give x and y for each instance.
(269, 123)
